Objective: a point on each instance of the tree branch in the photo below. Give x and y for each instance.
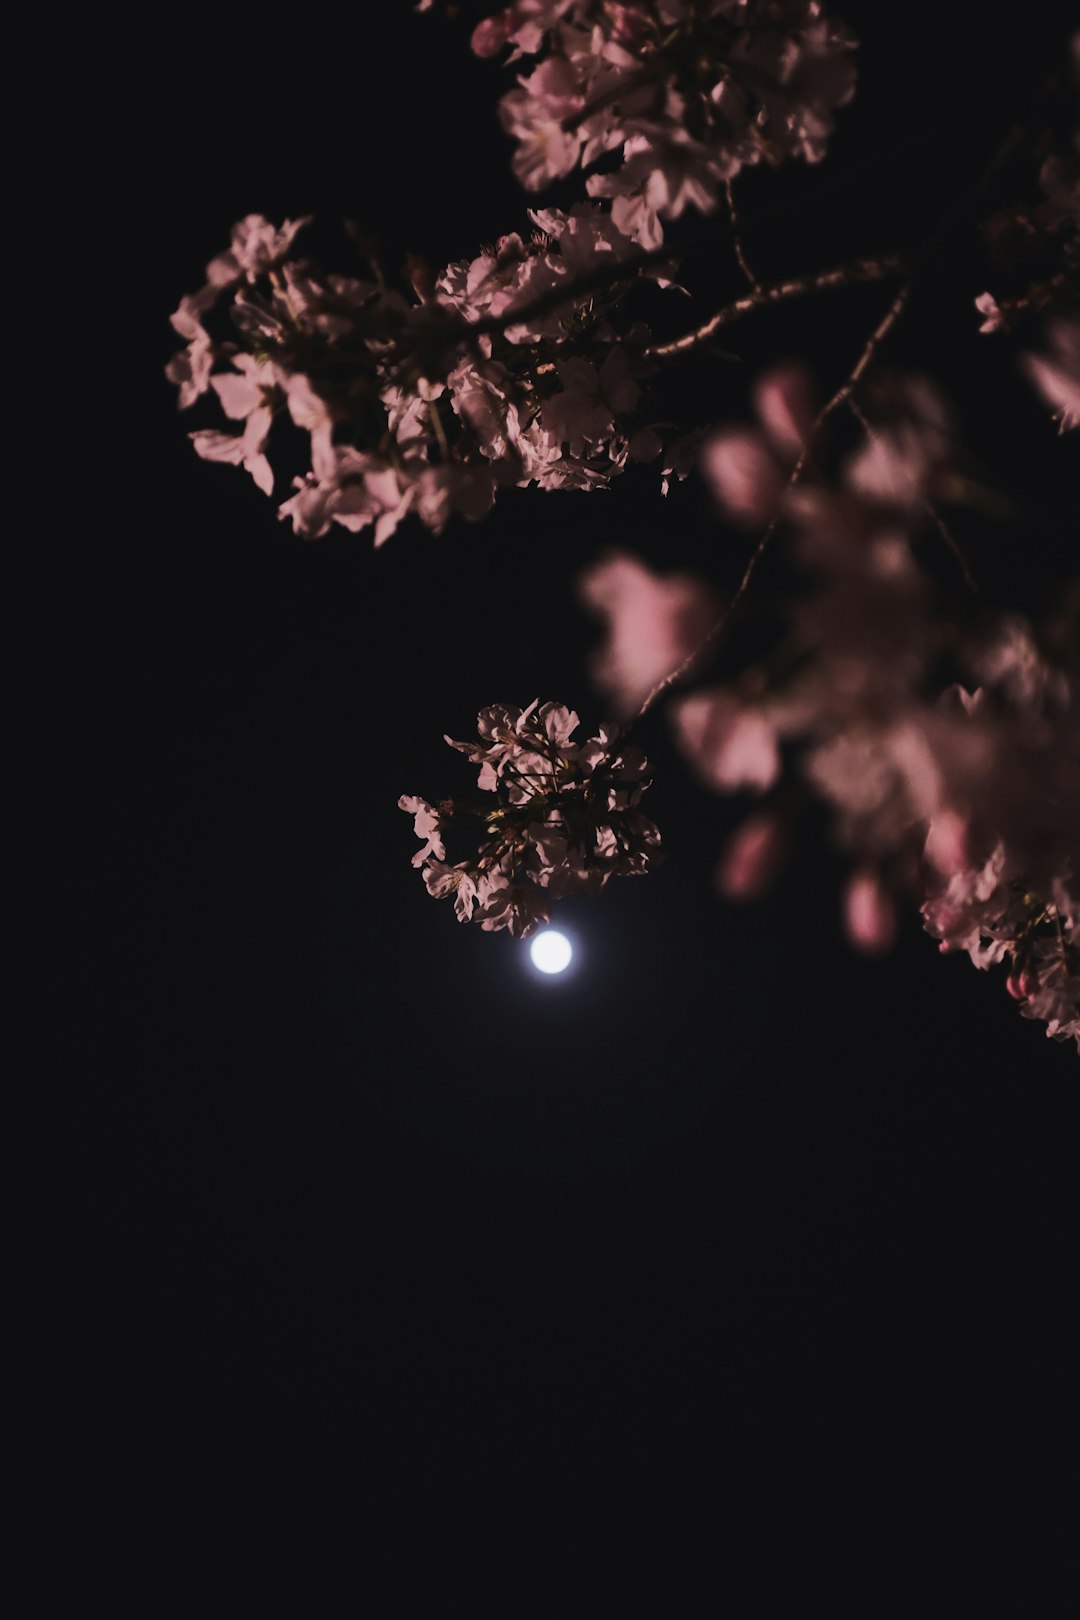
(847, 275)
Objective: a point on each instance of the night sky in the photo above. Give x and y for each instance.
(727, 1222)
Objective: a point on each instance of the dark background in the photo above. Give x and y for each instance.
(727, 1223)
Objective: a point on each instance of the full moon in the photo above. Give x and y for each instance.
(551, 951)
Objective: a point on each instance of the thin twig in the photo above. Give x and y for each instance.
(927, 506)
(845, 275)
(842, 395)
(877, 337)
(736, 234)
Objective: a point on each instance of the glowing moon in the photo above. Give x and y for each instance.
(551, 951)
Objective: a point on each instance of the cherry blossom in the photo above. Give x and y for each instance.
(426, 825)
(757, 80)
(939, 736)
(256, 247)
(654, 624)
(432, 416)
(565, 821)
(1057, 374)
(190, 369)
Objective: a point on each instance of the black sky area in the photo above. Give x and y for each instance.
(728, 1224)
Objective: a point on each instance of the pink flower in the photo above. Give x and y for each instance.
(884, 781)
(583, 415)
(786, 407)
(749, 865)
(749, 469)
(525, 22)
(190, 368)
(654, 624)
(489, 36)
(257, 246)
(731, 745)
(977, 910)
(352, 489)
(241, 449)
(249, 387)
(899, 461)
(518, 907)
(869, 914)
(426, 825)
(993, 319)
(744, 475)
(1057, 376)
(309, 411)
(460, 881)
(537, 115)
(548, 850)
(500, 732)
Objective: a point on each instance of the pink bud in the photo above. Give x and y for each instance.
(752, 858)
(744, 477)
(490, 36)
(987, 306)
(1022, 985)
(784, 401)
(869, 915)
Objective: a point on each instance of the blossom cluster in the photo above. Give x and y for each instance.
(956, 795)
(565, 821)
(491, 374)
(669, 98)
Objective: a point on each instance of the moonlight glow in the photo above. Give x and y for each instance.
(551, 951)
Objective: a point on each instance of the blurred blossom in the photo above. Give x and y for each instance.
(1056, 374)
(752, 859)
(967, 797)
(654, 624)
(869, 914)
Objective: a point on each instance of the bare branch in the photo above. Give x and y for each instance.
(846, 275)
(740, 254)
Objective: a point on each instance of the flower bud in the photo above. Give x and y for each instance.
(869, 914)
(490, 36)
(749, 864)
(1022, 985)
